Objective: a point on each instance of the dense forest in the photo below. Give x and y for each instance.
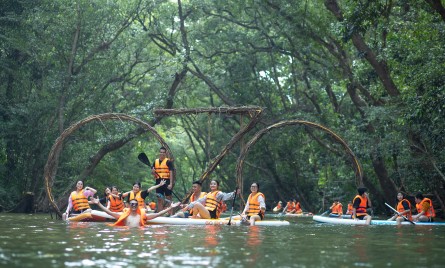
(371, 71)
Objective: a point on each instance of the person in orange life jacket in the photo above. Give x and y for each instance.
(298, 209)
(404, 208)
(78, 200)
(208, 207)
(103, 200)
(162, 169)
(278, 207)
(349, 209)
(114, 200)
(336, 209)
(359, 205)
(290, 207)
(197, 194)
(255, 206)
(139, 195)
(425, 209)
(134, 216)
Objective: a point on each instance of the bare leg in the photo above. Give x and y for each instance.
(203, 212)
(368, 219)
(169, 197)
(253, 219)
(399, 220)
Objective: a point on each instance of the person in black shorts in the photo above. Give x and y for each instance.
(162, 169)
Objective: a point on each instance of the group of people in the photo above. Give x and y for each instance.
(292, 207)
(361, 202)
(132, 213)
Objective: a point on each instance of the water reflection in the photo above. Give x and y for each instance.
(36, 241)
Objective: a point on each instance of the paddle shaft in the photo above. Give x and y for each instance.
(233, 205)
(399, 213)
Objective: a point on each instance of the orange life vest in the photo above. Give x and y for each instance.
(126, 213)
(162, 169)
(400, 208)
(212, 203)
(254, 205)
(116, 204)
(152, 205)
(298, 209)
(138, 197)
(337, 209)
(290, 206)
(361, 210)
(278, 206)
(349, 211)
(80, 201)
(194, 198)
(430, 212)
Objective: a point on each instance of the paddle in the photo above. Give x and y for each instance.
(233, 205)
(399, 213)
(326, 212)
(144, 159)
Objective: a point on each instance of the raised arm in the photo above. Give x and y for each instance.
(156, 186)
(109, 212)
(160, 213)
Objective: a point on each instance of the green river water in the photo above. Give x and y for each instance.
(39, 241)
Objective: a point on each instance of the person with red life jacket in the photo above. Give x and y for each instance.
(78, 200)
(290, 207)
(349, 209)
(403, 208)
(425, 209)
(336, 209)
(279, 207)
(255, 206)
(134, 216)
(209, 206)
(359, 205)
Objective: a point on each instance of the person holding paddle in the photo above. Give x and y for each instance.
(162, 169)
(255, 206)
(197, 194)
(359, 205)
(403, 210)
(208, 207)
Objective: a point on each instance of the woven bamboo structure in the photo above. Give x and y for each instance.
(51, 164)
(261, 133)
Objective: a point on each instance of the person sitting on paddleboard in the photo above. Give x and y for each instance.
(404, 209)
(115, 202)
(134, 216)
(349, 209)
(298, 209)
(290, 207)
(278, 207)
(255, 206)
(336, 209)
(197, 194)
(208, 207)
(359, 205)
(78, 200)
(425, 209)
(139, 195)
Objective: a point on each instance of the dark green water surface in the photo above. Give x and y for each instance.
(39, 241)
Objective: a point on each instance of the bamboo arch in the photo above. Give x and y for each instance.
(261, 133)
(49, 171)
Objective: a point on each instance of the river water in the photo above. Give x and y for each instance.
(39, 241)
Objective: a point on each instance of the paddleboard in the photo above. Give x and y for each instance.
(329, 220)
(223, 221)
(93, 216)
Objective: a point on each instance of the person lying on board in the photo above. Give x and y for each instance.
(197, 194)
(278, 207)
(255, 206)
(209, 207)
(425, 209)
(134, 216)
(139, 195)
(359, 205)
(404, 209)
(78, 200)
(336, 209)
